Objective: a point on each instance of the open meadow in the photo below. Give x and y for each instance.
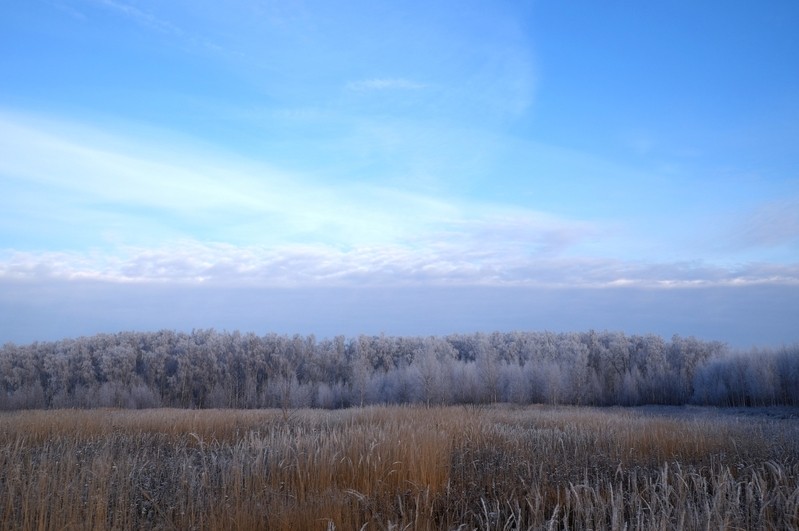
(399, 467)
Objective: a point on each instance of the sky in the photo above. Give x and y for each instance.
(409, 167)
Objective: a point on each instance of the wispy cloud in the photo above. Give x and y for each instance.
(159, 24)
(495, 228)
(142, 17)
(385, 84)
(95, 178)
(99, 182)
(771, 224)
(69, 10)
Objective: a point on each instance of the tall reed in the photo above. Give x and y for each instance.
(398, 468)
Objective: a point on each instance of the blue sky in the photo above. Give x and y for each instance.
(543, 163)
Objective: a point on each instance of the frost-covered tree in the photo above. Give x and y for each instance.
(206, 368)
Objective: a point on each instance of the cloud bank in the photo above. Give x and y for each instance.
(195, 263)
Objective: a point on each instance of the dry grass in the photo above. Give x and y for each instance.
(397, 468)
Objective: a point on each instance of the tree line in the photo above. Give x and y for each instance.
(211, 369)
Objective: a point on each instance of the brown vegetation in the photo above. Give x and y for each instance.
(497, 467)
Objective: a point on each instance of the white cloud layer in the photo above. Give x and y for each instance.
(318, 265)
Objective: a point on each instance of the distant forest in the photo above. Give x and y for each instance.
(210, 369)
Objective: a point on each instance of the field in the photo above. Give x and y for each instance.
(497, 467)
